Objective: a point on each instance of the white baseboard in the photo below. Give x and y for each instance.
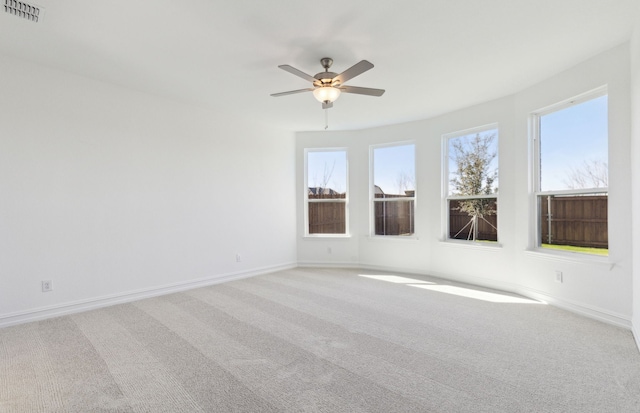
(324, 264)
(104, 301)
(636, 335)
(585, 310)
(126, 297)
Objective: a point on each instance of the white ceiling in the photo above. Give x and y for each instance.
(431, 56)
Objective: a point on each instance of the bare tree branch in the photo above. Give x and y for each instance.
(405, 181)
(322, 183)
(593, 173)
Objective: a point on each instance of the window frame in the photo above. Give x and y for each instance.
(535, 238)
(446, 197)
(306, 199)
(372, 194)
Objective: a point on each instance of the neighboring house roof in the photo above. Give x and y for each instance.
(378, 191)
(316, 190)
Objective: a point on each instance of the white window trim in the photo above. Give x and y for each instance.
(305, 191)
(372, 196)
(445, 197)
(535, 228)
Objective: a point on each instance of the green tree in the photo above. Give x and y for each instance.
(474, 175)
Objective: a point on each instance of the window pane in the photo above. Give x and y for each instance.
(473, 170)
(326, 179)
(473, 163)
(327, 174)
(574, 220)
(394, 171)
(393, 178)
(327, 217)
(473, 219)
(573, 147)
(573, 156)
(394, 218)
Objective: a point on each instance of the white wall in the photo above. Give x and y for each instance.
(588, 285)
(593, 287)
(336, 251)
(109, 192)
(635, 162)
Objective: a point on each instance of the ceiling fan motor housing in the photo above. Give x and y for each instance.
(326, 79)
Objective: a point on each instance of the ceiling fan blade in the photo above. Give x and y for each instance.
(292, 92)
(353, 71)
(362, 90)
(327, 105)
(298, 73)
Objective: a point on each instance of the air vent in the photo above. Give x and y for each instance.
(22, 9)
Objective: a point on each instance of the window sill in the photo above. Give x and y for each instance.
(393, 238)
(325, 236)
(479, 245)
(568, 256)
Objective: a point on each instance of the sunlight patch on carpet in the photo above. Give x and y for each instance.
(395, 279)
(476, 294)
(453, 290)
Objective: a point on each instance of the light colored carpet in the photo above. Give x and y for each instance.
(309, 340)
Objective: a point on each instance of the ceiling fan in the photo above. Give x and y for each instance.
(327, 85)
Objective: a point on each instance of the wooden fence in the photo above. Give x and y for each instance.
(391, 217)
(327, 217)
(577, 220)
(460, 224)
(394, 217)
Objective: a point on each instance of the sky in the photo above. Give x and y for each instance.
(568, 137)
(390, 162)
(394, 168)
(327, 165)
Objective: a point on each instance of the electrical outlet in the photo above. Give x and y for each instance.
(559, 276)
(238, 258)
(47, 286)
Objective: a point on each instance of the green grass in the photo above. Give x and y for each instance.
(584, 250)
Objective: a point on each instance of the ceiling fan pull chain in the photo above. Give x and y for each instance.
(326, 119)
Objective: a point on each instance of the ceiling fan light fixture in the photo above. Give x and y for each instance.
(326, 94)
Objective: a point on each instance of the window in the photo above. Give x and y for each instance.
(571, 174)
(393, 189)
(471, 184)
(326, 192)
